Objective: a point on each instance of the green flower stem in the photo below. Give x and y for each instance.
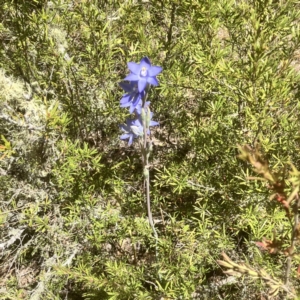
(146, 153)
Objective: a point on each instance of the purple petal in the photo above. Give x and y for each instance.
(136, 100)
(132, 77)
(127, 87)
(131, 109)
(146, 60)
(134, 68)
(129, 122)
(125, 136)
(152, 80)
(155, 70)
(130, 139)
(138, 123)
(125, 99)
(153, 123)
(142, 84)
(125, 104)
(126, 126)
(145, 63)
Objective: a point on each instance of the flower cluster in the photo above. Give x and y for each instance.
(142, 75)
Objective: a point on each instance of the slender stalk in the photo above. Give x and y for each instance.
(145, 154)
(147, 180)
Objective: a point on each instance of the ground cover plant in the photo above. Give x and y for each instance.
(223, 170)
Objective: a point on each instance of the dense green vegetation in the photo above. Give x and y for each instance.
(72, 206)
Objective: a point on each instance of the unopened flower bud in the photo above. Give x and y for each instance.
(148, 118)
(143, 116)
(136, 130)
